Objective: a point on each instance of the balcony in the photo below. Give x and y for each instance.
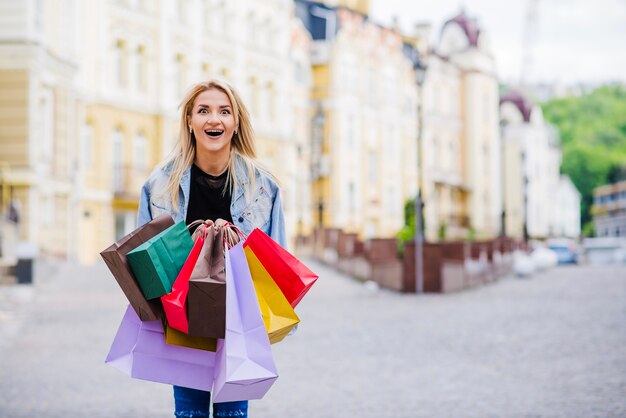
(127, 182)
(459, 221)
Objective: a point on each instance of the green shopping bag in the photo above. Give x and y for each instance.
(156, 262)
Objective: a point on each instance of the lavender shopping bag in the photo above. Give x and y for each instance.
(139, 350)
(244, 366)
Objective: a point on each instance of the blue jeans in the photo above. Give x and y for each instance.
(193, 403)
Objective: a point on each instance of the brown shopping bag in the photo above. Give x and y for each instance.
(206, 298)
(115, 258)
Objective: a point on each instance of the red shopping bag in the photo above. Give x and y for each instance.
(292, 277)
(175, 302)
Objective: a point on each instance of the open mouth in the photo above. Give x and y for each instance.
(214, 132)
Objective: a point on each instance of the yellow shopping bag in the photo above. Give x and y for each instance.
(278, 315)
(175, 337)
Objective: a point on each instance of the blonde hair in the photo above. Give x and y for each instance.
(241, 144)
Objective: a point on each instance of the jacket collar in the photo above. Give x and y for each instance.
(240, 170)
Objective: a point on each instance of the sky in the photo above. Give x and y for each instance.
(574, 41)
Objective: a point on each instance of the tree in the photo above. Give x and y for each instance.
(592, 128)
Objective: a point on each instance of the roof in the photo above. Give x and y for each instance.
(520, 101)
(469, 26)
(315, 17)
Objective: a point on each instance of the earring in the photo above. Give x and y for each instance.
(235, 136)
(190, 130)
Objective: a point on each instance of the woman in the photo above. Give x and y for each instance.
(213, 174)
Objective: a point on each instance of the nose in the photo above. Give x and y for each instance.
(213, 118)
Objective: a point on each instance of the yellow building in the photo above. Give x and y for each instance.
(364, 127)
(609, 210)
(460, 145)
(38, 107)
(90, 95)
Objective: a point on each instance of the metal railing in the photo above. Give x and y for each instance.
(127, 180)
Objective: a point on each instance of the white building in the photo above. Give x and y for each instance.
(566, 221)
(550, 204)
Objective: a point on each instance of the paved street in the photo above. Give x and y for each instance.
(550, 346)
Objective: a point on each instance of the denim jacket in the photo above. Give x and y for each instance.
(263, 209)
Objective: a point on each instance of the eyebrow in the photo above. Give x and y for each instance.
(221, 107)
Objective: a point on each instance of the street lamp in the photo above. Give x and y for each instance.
(420, 75)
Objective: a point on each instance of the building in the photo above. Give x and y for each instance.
(364, 120)
(105, 79)
(566, 220)
(296, 159)
(39, 122)
(460, 144)
(539, 202)
(609, 210)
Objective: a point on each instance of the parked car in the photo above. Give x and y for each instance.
(565, 251)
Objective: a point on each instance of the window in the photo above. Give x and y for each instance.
(47, 125)
(124, 224)
(225, 74)
(141, 67)
(39, 13)
(207, 13)
(180, 78)
(271, 35)
(252, 30)
(271, 101)
(390, 200)
(351, 197)
(372, 167)
(86, 145)
(117, 166)
(181, 11)
(299, 73)
(254, 96)
(139, 152)
(47, 209)
(119, 63)
(206, 70)
(350, 125)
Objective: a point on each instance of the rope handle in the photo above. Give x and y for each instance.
(201, 228)
(232, 234)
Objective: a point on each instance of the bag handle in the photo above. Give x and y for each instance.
(197, 222)
(201, 228)
(232, 234)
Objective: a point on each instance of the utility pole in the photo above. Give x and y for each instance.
(420, 75)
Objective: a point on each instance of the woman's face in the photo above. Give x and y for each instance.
(213, 122)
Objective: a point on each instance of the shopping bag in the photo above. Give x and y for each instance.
(115, 257)
(157, 262)
(175, 337)
(292, 277)
(206, 300)
(140, 351)
(278, 315)
(244, 366)
(175, 302)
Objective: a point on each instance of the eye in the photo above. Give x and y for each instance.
(225, 112)
(202, 110)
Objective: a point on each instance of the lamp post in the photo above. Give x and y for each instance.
(420, 75)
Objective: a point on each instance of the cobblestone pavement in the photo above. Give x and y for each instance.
(549, 346)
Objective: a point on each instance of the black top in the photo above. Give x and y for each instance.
(207, 199)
